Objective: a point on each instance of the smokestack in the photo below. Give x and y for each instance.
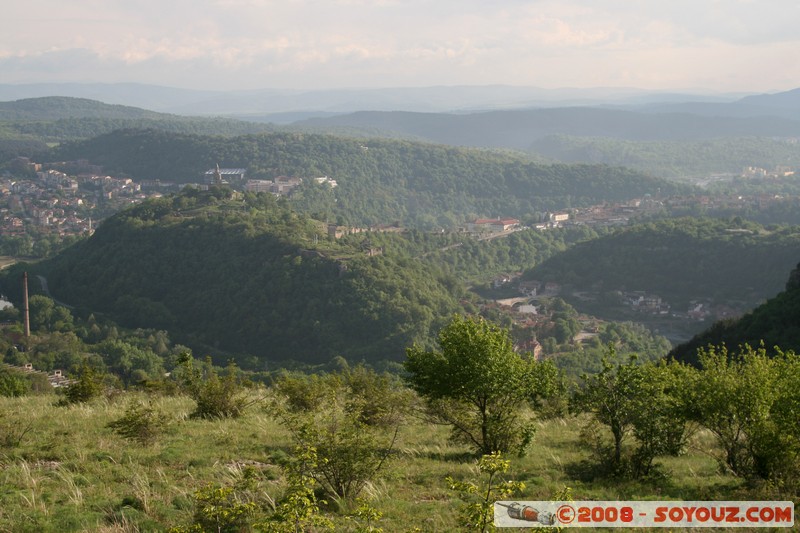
(27, 317)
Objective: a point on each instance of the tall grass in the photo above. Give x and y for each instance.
(72, 473)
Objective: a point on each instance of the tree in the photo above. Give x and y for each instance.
(610, 397)
(299, 510)
(40, 310)
(477, 384)
(661, 417)
(648, 402)
(749, 401)
(12, 384)
(124, 359)
(45, 315)
(88, 386)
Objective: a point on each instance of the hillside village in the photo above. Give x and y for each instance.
(70, 198)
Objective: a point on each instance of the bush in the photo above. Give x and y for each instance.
(304, 393)
(298, 509)
(218, 509)
(375, 399)
(350, 453)
(88, 386)
(140, 423)
(12, 384)
(215, 396)
(479, 497)
(219, 398)
(749, 401)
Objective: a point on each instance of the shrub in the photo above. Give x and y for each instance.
(218, 509)
(215, 396)
(88, 386)
(375, 399)
(304, 393)
(140, 423)
(749, 401)
(479, 496)
(350, 453)
(298, 509)
(648, 402)
(12, 384)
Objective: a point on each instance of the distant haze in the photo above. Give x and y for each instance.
(699, 46)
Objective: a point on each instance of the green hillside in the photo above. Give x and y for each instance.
(674, 158)
(681, 260)
(380, 181)
(249, 276)
(775, 323)
(518, 128)
(59, 118)
(61, 107)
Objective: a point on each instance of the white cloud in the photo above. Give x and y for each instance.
(409, 42)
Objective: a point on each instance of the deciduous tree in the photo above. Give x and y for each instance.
(478, 385)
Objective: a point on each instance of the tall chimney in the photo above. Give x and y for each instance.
(27, 317)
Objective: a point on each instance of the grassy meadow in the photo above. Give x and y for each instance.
(63, 469)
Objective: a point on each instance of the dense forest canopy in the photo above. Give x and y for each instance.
(672, 158)
(681, 260)
(59, 118)
(518, 128)
(244, 275)
(61, 107)
(380, 181)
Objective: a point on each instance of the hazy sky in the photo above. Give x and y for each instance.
(719, 45)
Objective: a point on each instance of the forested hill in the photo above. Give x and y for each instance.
(775, 323)
(58, 118)
(681, 260)
(380, 181)
(521, 127)
(672, 158)
(61, 107)
(249, 276)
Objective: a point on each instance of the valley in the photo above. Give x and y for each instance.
(255, 311)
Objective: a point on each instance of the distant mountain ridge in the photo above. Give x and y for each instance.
(60, 118)
(521, 128)
(786, 99)
(64, 107)
(784, 105)
(675, 158)
(422, 99)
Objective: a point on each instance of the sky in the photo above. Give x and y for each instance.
(709, 45)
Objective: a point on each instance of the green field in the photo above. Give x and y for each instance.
(62, 469)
